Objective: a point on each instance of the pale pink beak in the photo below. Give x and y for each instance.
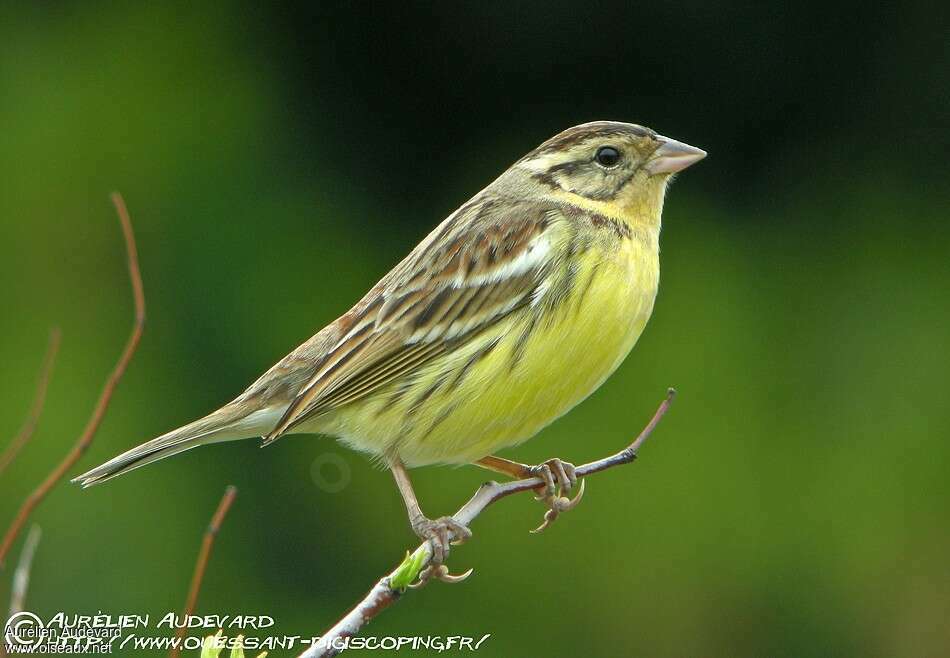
(673, 156)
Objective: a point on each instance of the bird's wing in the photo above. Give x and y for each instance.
(482, 263)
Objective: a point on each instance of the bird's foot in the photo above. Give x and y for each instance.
(559, 479)
(440, 572)
(441, 533)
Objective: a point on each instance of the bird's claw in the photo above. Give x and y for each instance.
(439, 572)
(442, 534)
(556, 474)
(559, 478)
(558, 504)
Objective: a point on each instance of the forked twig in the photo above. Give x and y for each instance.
(384, 593)
(89, 433)
(204, 554)
(39, 398)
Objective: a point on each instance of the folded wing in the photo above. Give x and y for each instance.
(481, 264)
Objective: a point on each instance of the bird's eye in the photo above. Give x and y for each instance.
(607, 156)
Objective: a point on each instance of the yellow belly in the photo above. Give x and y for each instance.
(460, 408)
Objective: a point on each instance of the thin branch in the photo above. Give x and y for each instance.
(39, 398)
(89, 433)
(382, 595)
(203, 555)
(21, 577)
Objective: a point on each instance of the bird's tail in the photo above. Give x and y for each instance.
(230, 422)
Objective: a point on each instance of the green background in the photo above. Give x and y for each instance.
(276, 162)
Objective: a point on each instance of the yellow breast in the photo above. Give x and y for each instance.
(519, 376)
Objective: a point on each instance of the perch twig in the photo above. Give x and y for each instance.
(389, 588)
(89, 432)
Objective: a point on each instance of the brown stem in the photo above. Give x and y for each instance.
(203, 555)
(382, 595)
(39, 398)
(89, 433)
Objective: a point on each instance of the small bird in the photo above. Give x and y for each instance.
(513, 310)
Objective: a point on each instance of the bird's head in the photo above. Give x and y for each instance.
(620, 164)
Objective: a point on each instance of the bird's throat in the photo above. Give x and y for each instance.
(641, 209)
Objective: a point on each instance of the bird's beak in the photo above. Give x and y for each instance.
(673, 156)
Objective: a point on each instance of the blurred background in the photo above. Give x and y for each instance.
(278, 160)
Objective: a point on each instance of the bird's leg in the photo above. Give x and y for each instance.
(441, 533)
(559, 478)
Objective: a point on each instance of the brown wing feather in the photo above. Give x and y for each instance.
(474, 269)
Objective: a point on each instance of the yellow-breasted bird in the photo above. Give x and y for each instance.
(514, 309)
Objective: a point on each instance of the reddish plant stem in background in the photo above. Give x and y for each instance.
(89, 433)
(203, 555)
(39, 398)
(381, 596)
